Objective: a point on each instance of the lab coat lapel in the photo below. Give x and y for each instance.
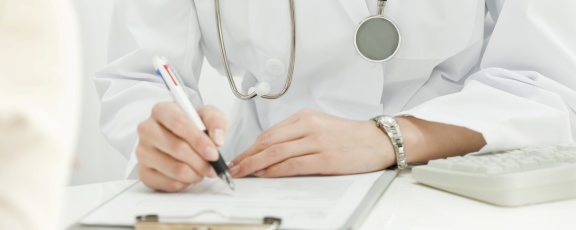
(356, 10)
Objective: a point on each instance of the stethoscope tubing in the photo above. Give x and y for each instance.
(288, 82)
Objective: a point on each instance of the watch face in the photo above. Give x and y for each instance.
(390, 121)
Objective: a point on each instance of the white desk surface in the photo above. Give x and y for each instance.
(405, 205)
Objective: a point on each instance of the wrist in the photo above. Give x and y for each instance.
(426, 140)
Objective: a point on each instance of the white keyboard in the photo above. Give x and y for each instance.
(511, 178)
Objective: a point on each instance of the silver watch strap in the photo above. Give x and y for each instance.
(389, 125)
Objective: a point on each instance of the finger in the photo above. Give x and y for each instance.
(265, 139)
(271, 138)
(171, 116)
(161, 162)
(273, 155)
(168, 143)
(293, 119)
(157, 181)
(310, 164)
(215, 121)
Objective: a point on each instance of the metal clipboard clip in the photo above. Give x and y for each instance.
(155, 222)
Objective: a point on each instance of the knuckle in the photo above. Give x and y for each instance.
(238, 159)
(265, 139)
(180, 171)
(158, 108)
(249, 165)
(276, 150)
(141, 153)
(308, 112)
(200, 144)
(143, 128)
(180, 124)
(217, 119)
(318, 140)
(315, 122)
(312, 121)
(179, 149)
(206, 111)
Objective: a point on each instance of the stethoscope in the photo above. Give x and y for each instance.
(377, 39)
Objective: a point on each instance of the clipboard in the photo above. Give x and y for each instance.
(151, 222)
(156, 222)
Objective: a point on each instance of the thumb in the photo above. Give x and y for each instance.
(215, 122)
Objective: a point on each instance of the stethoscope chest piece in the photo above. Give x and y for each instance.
(377, 38)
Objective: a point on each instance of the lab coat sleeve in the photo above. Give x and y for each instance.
(525, 91)
(127, 86)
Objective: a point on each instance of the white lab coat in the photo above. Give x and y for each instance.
(511, 76)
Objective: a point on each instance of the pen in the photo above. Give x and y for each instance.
(174, 84)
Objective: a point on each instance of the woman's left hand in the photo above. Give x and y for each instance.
(315, 143)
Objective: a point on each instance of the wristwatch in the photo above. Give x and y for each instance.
(389, 125)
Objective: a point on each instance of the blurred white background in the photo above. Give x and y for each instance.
(96, 160)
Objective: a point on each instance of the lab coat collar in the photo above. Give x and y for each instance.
(357, 10)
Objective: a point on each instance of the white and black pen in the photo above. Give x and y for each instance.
(174, 84)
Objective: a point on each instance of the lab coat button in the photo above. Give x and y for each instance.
(275, 67)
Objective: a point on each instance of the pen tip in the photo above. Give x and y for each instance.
(228, 179)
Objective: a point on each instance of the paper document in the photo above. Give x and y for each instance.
(301, 202)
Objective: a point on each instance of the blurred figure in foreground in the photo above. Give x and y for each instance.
(39, 98)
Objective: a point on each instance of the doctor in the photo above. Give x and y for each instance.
(468, 75)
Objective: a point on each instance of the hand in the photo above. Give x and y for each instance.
(172, 152)
(311, 142)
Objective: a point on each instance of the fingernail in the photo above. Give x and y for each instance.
(231, 165)
(211, 153)
(259, 173)
(235, 170)
(218, 137)
(212, 173)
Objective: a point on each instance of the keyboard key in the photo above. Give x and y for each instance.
(569, 157)
(490, 169)
(465, 166)
(441, 163)
(510, 166)
(456, 158)
(564, 147)
(528, 164)
(545, 161)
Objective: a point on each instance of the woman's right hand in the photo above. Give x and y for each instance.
(172, 152)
